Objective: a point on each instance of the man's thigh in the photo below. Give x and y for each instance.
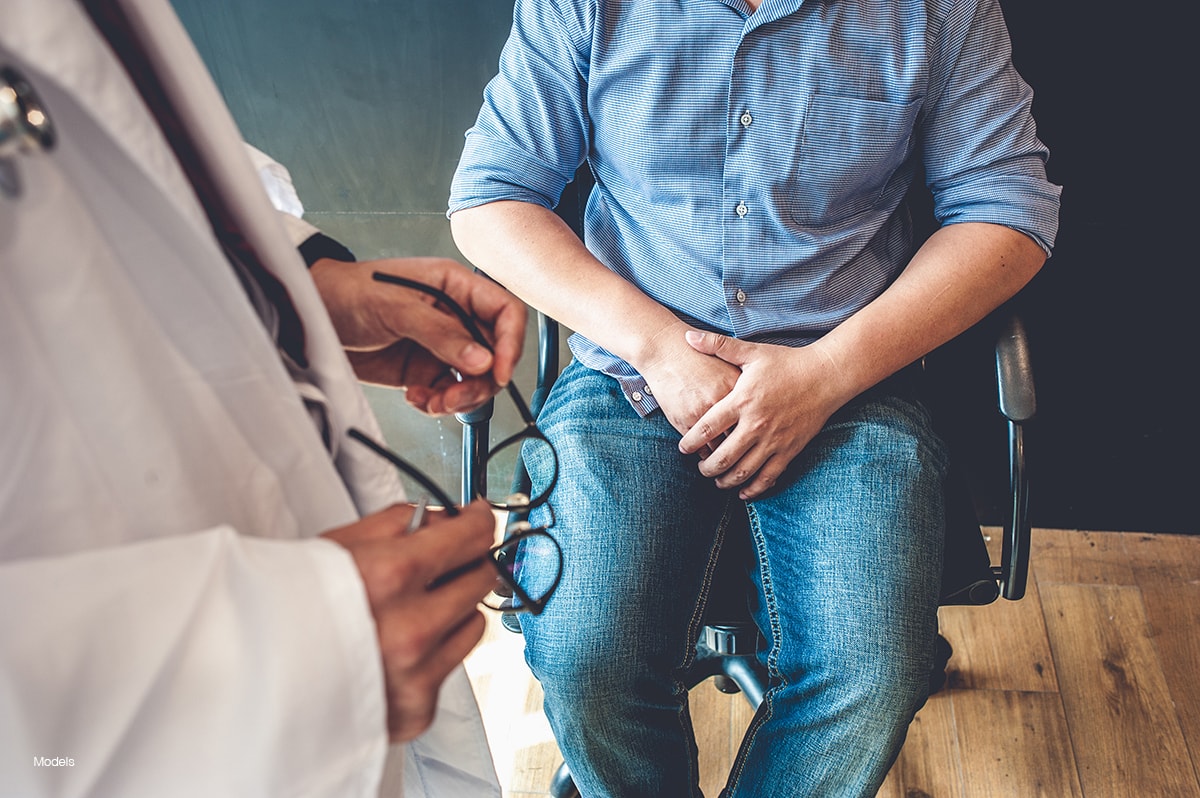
(850, 546)
(637, 523)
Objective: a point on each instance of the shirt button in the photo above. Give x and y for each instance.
(741, 209)
(746, 119)
(648, 391)
(740, 296)
(637, 396)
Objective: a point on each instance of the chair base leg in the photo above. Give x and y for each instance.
(561, 786)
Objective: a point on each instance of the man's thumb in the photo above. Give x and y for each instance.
(722, 346)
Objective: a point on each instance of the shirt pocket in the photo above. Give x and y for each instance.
(849, 150)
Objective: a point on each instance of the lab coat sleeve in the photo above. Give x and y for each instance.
(203, 665)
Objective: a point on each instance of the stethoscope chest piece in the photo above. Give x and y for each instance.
(24, 122)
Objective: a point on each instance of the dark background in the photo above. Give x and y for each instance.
(366, 102)
(1112, 315)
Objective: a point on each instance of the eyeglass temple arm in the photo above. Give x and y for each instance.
(476, 423)
(414, 473)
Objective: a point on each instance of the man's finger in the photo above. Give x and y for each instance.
(731, 350)
(709, 431)
(413, 682)
(458, 397)
(447, 542)
(731, 463)
(508, 335)
(764, 480)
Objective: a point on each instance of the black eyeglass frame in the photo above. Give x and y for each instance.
(517, 504)
(514, 534)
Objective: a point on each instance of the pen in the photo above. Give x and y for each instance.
(418, 516)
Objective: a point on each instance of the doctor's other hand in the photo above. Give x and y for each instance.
(399, 337)
(424, 632)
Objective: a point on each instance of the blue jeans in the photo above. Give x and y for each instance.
(849, 548)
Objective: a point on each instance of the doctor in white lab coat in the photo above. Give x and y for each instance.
(173, 621)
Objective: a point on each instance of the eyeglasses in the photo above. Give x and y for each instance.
(524, 590)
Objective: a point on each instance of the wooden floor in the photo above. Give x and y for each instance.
(1089, 687)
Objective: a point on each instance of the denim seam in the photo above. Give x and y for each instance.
(693, 637)
(776, 678)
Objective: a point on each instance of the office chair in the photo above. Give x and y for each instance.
(729, 641)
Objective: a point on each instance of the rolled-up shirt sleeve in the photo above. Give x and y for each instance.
(531, 133)
(982, 156)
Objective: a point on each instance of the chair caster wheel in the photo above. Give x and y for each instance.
(942, 650)
(511, 622)
(725, 684)
(941, 658)
(562, 786)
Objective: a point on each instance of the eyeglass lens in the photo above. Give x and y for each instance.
(530, 565)
(534, 454)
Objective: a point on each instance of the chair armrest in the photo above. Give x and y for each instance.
(547, 364)
(476, 425)
(1018, 403)
(1014, 372)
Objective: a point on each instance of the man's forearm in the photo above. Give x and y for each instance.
(962, 273)
(534, 254)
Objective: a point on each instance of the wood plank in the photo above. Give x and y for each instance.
(1078, 557)
(1015, 745)
(1127, 738)
(510, 700)
(1173, 610)
(533, 768)
(1167, 568)
(928, 763)
(712, 781)
(1000, 646)
(712, 720)
(1160, 558)
(741, 715)
(1125, 654)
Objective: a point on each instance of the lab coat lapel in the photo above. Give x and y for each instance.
(225, 160)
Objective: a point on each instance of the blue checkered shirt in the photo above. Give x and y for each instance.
(750, 168)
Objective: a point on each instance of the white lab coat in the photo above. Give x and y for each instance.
(169, 624)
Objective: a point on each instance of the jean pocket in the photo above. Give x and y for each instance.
(849, 151)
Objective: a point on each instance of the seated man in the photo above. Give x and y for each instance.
(745, 308)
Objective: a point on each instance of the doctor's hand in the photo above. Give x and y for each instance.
(780, 402)
(398, 337)
(424, 632)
